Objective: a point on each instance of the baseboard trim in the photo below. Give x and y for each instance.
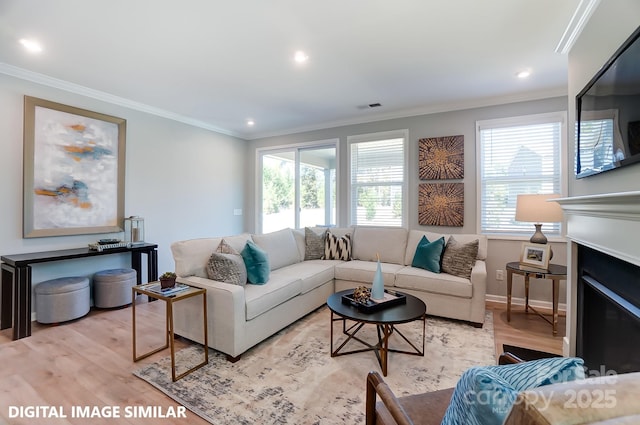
(502, 299)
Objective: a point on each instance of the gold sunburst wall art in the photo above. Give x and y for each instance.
(441, 204)
(441, 158)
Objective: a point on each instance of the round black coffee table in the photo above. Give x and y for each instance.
(385, 320)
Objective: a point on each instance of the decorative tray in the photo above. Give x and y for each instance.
(391, 298)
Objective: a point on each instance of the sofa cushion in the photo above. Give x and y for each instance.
(262, 298)
(229, 268)
(458, 259)
(191, 256)
(437, 283)
(416, 235)
(337, 248)
(363, 271)
(280, 246)
(313, 244)
(429, 254)
(389, 243)
(312, 273)
(257, 262)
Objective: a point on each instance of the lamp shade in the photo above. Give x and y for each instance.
(538, 209)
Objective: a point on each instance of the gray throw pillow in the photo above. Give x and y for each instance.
(225, 248)
(313, 244)
(458, 259)
(227, 268)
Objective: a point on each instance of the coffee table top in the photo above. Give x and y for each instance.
(414, 309)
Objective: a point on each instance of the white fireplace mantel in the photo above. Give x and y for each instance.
(609, 223)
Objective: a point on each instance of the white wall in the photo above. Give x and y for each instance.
(610, 25)
(432, 125)
(185, 181)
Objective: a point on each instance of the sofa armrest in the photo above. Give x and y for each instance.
(225, 309)
(479, 291)
(592, 400)
(377, 386)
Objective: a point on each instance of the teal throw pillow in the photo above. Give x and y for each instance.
(428, 254)
(536, 373)
(257, 263)
(481, 397)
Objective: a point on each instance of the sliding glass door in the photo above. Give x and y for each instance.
(298, 187)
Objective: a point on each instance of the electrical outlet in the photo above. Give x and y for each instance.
(499, 274)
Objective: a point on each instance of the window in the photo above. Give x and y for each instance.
(377, 178)
(517, 156)
(298, 186)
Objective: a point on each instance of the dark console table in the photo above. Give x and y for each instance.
(15, 293)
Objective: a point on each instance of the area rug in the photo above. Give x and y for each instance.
(291, 378)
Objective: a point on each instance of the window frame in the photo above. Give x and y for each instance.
(296, 147)
(516, 121)
(373, 137)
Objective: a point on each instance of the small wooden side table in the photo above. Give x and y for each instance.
(169, 335)
(555, 273)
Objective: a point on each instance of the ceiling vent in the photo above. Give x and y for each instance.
(370, 105)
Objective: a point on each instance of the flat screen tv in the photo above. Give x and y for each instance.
(608, 113)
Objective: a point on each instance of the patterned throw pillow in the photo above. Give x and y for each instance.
(536, 373)
(480, 397)
(337, 248)
(225, 248)
(227, 268)
(458, 259)
(313, 244)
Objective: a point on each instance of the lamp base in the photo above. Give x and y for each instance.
(539, 237)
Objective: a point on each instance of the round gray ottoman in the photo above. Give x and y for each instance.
(62, 299)
(112, 288)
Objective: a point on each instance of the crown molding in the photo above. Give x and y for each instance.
(413, 112)
(577, 23)
(56, 83)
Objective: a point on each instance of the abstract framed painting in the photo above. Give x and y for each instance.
(441, 158)
(74, 165)
(441, 204)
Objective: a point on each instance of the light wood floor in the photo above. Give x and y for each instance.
(88, 362)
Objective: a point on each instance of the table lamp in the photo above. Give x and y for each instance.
(535, 208)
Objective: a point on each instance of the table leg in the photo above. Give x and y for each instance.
(6, 297)
(509, 287)
(526, 293)
(133, 321)
(171, 341)
(556, 293)
(22, 303)
(384, 347)
(152, 265)
(136, 261)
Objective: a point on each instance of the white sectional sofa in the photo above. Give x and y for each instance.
(240, 317)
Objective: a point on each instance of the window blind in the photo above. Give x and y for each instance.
(517, 159)
(377, 182)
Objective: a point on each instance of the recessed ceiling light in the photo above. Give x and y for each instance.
(300, 57)
(523, 74)
(31, 45)
(251, 122)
